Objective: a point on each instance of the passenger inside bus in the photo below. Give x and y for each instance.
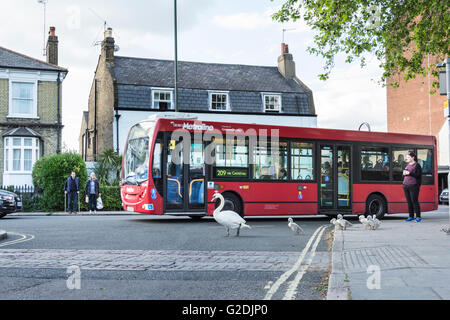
(366, 163)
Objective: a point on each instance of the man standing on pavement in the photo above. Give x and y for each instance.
(72, 187)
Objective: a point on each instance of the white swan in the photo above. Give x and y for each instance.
(294, 227)
(376, 222)
(368, 225)
(229, 219)
(338, 224)
(343, 221)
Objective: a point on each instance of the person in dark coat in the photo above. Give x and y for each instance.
(92, 191)
(72, 188)
(412, 178)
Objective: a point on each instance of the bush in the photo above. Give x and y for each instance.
(110, 197)
(50, 174)
(108, 168)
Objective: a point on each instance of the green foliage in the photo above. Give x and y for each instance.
(107, 170)
(110, 198)
(401, 34)
(50, 174)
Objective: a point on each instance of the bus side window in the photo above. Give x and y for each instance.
(375, 163)
(302, 161)
(270, 166)
(425, 159)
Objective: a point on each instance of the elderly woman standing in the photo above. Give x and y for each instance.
(92, 191)
(411, 185)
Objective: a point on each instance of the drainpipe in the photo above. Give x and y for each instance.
(117, 131)
(95, 120)
(58, 135)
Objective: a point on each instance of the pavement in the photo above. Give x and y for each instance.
(401, 260)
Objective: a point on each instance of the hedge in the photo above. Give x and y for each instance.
(50, 174)
(110, 198)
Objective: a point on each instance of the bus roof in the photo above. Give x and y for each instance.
(174, 122)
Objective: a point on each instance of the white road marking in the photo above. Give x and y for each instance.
(24, 238)
(291, 292)
(295, 267)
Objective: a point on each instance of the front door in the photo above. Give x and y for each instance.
(335, 177)
(185, 179)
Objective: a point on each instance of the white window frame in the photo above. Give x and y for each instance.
(33, 114)
(225, 93)
(276, 95)
(9, 149)
(163, 90)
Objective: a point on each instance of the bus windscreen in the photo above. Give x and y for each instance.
(136, 162)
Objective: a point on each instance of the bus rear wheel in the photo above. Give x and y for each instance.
(376, 205)
(232, 202)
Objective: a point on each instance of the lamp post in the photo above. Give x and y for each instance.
(176, 57)
(446, 81)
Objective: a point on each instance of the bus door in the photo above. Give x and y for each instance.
(196, 177)
(185, 177)
(335, 177)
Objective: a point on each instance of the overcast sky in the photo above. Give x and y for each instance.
(218, 31)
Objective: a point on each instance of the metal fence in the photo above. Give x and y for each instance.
(30, 196)
(19, 189)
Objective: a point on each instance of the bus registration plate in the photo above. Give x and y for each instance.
(131, 209)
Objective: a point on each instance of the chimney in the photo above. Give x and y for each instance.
(286, 64)
(52, 47)
(108, 46)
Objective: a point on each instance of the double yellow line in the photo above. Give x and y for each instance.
(301, 265)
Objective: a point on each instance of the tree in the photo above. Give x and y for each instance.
(400, 33)
(108, 168)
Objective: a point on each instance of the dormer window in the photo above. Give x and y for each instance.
(272, 103)
(218, 101)
(162, 100)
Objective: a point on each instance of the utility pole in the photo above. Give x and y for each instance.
(176, 57)
(445, 83)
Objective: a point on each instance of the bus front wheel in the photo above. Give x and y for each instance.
(376, 205)
(232, 202)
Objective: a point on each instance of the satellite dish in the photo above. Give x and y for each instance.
(116, 48)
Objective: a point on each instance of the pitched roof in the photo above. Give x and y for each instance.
(12, 59)
(198, 75)
(22, 132)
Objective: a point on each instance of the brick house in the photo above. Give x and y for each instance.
(30, 111)
(412, 109)
(126, 90)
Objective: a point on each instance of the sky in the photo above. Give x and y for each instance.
(216, 31)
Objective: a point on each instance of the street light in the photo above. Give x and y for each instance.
(176, 56)
(446, 81)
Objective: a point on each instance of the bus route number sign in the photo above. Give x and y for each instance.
(231, 172)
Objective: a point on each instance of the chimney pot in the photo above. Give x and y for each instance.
(108, 33)
(284, 48)
(52, 31)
